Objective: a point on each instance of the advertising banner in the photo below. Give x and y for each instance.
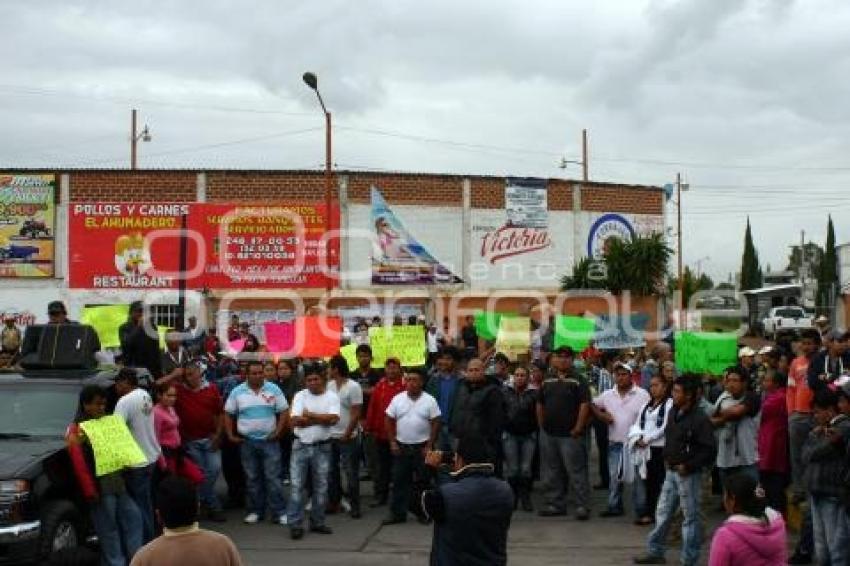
(27, 215)
(263, 246)
(137, 245)
(526, 203)
(125, 245)
(397, 256)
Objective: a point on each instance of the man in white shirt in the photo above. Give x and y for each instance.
(315, 410)
(135, 406)
(619, 407)
(345, 436)
(413, 423)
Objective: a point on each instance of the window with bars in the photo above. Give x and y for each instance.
(164, 316)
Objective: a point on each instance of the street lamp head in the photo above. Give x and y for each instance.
(146, 134)
(311, 80)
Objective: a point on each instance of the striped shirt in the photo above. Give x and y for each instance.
(256, 412)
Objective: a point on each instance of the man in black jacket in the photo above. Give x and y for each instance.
(471, 512)
(138, 349)
(479, 410)
(688, 448)
(831, 362)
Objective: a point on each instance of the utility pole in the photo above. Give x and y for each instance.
(133, 138)
(584, 155)
(803, 272)
(679, 253)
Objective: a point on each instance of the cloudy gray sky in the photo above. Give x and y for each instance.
(747, 98)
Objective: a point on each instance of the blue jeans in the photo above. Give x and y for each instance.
(315, 458)
(832, 531)
(118, 525)
(345, 460)
(140, 487)
(615, 486)
(209, 460)
(675, 491)
(519, 454)
(261, 462)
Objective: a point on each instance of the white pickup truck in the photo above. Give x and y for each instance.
(786, 319)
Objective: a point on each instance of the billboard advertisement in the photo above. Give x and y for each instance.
(398, 258)
(264, 246)
(137, 245)
(27, 224)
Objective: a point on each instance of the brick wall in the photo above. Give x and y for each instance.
(133, 186)
(398, 188)
(257, 186)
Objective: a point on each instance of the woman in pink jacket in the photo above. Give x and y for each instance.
(774, 465)
(753, 534)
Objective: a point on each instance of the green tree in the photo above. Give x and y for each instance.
(813, 255)
(751, 274)
(588, 273)
(692, 284)
(828, 275)
(637, 265)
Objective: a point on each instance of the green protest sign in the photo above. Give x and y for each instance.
(113, 446)
(487, 323)
(706, 352)
(105, 320)
(404, 342)
(574, 331)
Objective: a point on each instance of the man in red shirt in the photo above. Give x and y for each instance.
(388, 387)
(199, 406)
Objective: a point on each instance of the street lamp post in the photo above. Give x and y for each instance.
(312, 81)
(144, 135)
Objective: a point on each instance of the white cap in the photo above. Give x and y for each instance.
(623, 365)
(745, 352)
(821, 319)
(765, 350)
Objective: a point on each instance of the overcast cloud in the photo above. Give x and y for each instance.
(747, 98)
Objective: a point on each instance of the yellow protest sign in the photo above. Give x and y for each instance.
(113, 446)
(105, 320)
(406, 343)
(349, 353)
(514, 337)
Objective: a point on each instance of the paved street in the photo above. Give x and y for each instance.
(533, 541)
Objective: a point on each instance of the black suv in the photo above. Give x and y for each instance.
(41, 509)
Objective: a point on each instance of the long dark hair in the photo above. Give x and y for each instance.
(87, 395)
(749, 498)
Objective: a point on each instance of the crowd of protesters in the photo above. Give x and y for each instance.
(294, 437)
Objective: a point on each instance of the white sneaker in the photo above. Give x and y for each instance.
(346, 506)
(251, 519)
(282, 520)
(309, 505)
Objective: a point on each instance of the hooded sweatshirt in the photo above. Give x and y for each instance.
(747, 540)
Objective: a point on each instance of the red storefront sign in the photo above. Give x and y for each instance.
(137, 246)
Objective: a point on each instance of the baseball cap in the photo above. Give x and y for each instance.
(746, 351)
(765, 350)
(623, 365)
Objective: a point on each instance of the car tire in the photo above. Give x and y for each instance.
(61, 528)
